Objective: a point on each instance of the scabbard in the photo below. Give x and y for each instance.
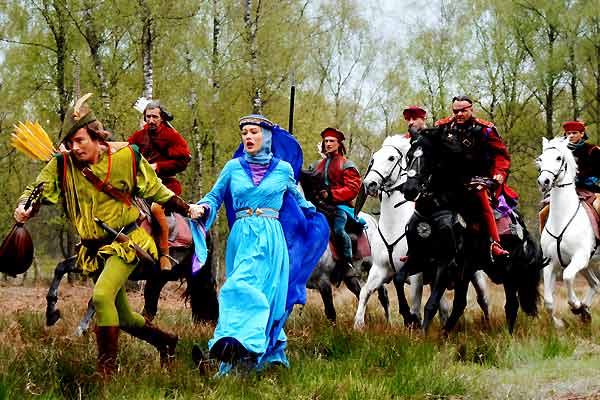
(120, 237)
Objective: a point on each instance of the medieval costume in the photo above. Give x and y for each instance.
(342, 181)
(169, 153)
(120, 172)
(482, 155)
(275, 241)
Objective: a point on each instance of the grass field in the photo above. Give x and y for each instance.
(327, 362)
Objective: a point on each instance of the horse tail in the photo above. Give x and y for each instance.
(201, 289)
(530, 275)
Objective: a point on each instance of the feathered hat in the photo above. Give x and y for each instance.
(77, 117)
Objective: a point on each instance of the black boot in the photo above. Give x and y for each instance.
(107, 339)
(164, 342)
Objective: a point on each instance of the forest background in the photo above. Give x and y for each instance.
(529, 65)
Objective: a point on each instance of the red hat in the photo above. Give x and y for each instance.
(414, 111)
(332, 132)
(571, 126)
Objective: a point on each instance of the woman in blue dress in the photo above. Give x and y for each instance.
(259, 291)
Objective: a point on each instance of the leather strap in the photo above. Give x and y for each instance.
(106, 187)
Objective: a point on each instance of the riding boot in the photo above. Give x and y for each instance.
(107, 339)
(543, 216)
(496, 249)
(164, 342)
(163, 238)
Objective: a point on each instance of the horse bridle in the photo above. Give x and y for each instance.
(559, 171)
(386, 179)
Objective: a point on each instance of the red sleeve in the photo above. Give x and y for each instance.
(136, 137)
(349, 190)
(178, 153)
(498, 153)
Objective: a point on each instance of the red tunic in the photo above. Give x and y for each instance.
(167, 149)
(343, 178)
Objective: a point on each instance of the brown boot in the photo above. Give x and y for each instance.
(164, 342)
(107, 338)
(158, 212)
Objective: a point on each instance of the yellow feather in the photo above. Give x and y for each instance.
(32, 142)
(17, 145)
(27, 139)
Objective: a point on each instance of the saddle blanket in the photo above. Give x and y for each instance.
(360, 247)
(180, 234)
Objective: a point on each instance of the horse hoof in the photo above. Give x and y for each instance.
(359, 325)
(52, 317)
(79, 332)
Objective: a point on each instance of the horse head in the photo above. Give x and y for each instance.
(387, 165)
(420, 159)
(556, 164)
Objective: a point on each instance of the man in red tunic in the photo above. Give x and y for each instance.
(168, 153)
(485, 156)
(342, 182)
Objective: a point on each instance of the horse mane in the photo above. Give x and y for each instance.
(400, 141)
(561, 144)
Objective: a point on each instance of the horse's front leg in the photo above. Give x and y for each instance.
(154, 285)
(375, 280)
(549, 284)
(578, 262)
(458, 305)
(84, 324)
(594, 283)
(480, 284)
(327, 297)
(65, 266)
(416, 296)
(410, 321)
(438, 287)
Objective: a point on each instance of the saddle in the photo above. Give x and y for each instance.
(591, 205)
(361, 247)
(180, 234)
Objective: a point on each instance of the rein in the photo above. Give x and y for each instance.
(560, 236)
(386, 179)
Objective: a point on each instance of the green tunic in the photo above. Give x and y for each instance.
(83, 202)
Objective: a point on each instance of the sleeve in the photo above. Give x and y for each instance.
(292, 188)
(49, 177)
(350, 189)
(178, 155)
(498, 153)
(149, 185)
(215, 197)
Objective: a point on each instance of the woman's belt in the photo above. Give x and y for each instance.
(259, 212)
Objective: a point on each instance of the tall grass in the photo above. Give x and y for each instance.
(327, 362)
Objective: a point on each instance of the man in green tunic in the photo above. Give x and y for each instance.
(117, 173)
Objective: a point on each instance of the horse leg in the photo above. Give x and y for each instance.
(384, 299)
(84, 324)
(480, 284)
(374, 281)
(327, 296)
(409, 320)
(53, 313)
(416, 296)
(549, 283)
(152, 290)
(594, 284)
(458, 305)
(578, 262)
(438, 287)
(511, 307)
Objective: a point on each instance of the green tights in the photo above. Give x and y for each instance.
(110, 299)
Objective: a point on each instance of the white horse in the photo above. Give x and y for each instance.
(320, 278)
(385, 175)
(568, 238)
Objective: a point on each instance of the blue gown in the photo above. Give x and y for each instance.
(254, 302)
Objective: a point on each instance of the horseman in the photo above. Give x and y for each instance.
(342, 182)
(415, 119)
(587, 156)
(168, 154)
(95, 181)
(484, 155)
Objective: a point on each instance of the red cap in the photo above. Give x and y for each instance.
(332, 132)
(414, 111)
(571, 126)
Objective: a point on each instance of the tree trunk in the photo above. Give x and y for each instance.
(251, 30)
(147, 45)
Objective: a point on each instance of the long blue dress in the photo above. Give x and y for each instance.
(252, 302)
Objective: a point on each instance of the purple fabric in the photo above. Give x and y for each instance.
(503, 208)
(258, 172)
